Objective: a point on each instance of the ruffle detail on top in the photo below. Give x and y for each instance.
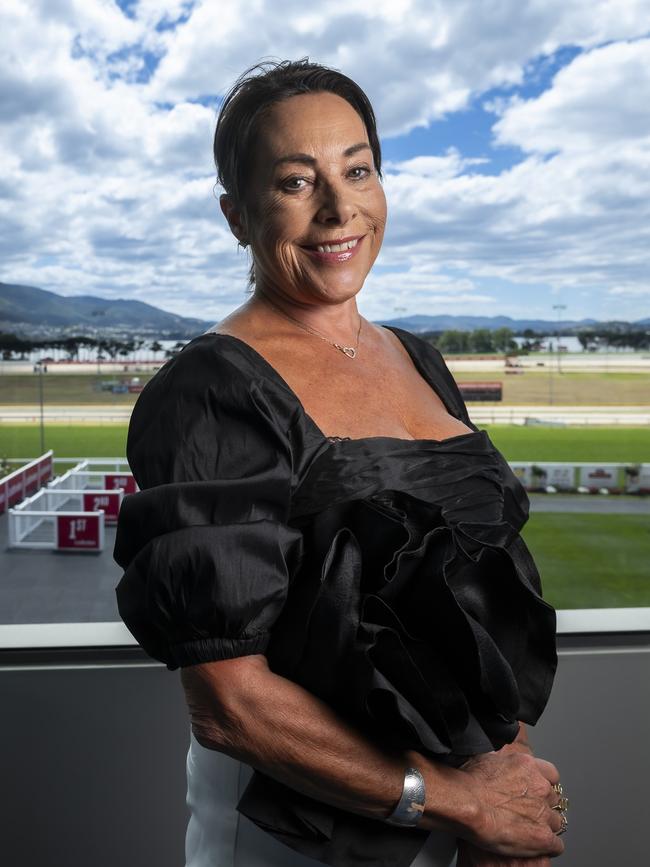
(428, 649)
(418, 615)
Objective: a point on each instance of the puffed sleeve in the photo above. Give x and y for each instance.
(205, 546)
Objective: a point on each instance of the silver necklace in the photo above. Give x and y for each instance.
(350, 351)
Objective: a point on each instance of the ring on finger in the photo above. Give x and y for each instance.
(557, 788)
(562, 805)
(563, 826)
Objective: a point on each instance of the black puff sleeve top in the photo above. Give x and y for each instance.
(385, 575)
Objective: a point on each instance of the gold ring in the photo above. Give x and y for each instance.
(557, 787)
(562, 804)
(563, 827)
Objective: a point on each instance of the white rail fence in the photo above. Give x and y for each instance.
(71, 513)
(37, 523)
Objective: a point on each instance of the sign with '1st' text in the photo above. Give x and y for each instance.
(79, 532)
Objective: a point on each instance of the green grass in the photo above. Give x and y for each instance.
(616, 444)
(569, 389)
(586, 561)
(83, 441)
(592, 561)
(566, 389)
(534, 386)
(66, 388)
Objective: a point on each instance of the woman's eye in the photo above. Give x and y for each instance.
(295, 184)
(357, 173)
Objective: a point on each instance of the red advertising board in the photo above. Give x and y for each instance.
(15, 488)
(78, 532)
(25, 481)
(44, 470)
(107, 502)
(31, 480)
(120, 480)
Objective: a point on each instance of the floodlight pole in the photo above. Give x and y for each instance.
(559, 308)
(39, 373)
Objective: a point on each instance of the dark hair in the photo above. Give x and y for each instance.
(255, 91)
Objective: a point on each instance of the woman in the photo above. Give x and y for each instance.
(327, 546)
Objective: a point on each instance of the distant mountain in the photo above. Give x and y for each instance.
(35, 312)
(421, 323)
(32, 311)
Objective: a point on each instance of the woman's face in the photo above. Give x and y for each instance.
(315, 206)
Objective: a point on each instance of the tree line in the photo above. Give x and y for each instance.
(480, 341)
(594, 339)
(11, 345)
(502, 340)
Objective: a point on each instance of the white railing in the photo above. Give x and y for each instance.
(80, 476)
(57, 531)
(119, 465)
(71, 479)
(64, 518)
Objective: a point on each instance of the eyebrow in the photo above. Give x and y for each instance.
(310, 161)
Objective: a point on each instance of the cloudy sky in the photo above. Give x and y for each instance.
(516, 137)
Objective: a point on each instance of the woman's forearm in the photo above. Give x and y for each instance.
(241, 708)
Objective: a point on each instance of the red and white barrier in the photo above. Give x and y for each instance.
(64, 519)
(26, 480)
(81, 476)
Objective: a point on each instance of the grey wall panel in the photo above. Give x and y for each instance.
(596, 730)
(94, 759)
(94, 772)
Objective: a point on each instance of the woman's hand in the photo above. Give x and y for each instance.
(471, 856)
(517, 817)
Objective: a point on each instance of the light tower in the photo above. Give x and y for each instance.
(559, 308)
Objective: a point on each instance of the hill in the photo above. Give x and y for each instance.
(36, 312)
(32, 312)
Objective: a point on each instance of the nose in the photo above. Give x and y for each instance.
(336, 205)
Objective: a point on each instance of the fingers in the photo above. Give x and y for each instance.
(548, 770)
(549, 843)
(556, 820)
(523, 814)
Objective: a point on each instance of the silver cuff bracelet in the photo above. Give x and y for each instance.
(410, 808)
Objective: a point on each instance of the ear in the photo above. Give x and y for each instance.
(235, 218)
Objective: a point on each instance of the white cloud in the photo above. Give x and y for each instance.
(421, 290)
(106, 180)
(600, 99)
(573, 213)
(418, 60)
(450, 165)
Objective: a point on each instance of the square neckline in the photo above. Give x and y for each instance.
(419, 367)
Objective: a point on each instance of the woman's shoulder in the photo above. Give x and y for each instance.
(212, 398)
(213, 366)
(211, 359)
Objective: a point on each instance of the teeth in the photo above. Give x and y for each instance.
(337, 248)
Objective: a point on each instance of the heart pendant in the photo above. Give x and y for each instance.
(350, 351)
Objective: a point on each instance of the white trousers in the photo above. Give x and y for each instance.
(219, 836)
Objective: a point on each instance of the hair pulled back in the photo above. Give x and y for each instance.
(254, 93)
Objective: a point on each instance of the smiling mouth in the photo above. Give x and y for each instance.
(338, 246)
